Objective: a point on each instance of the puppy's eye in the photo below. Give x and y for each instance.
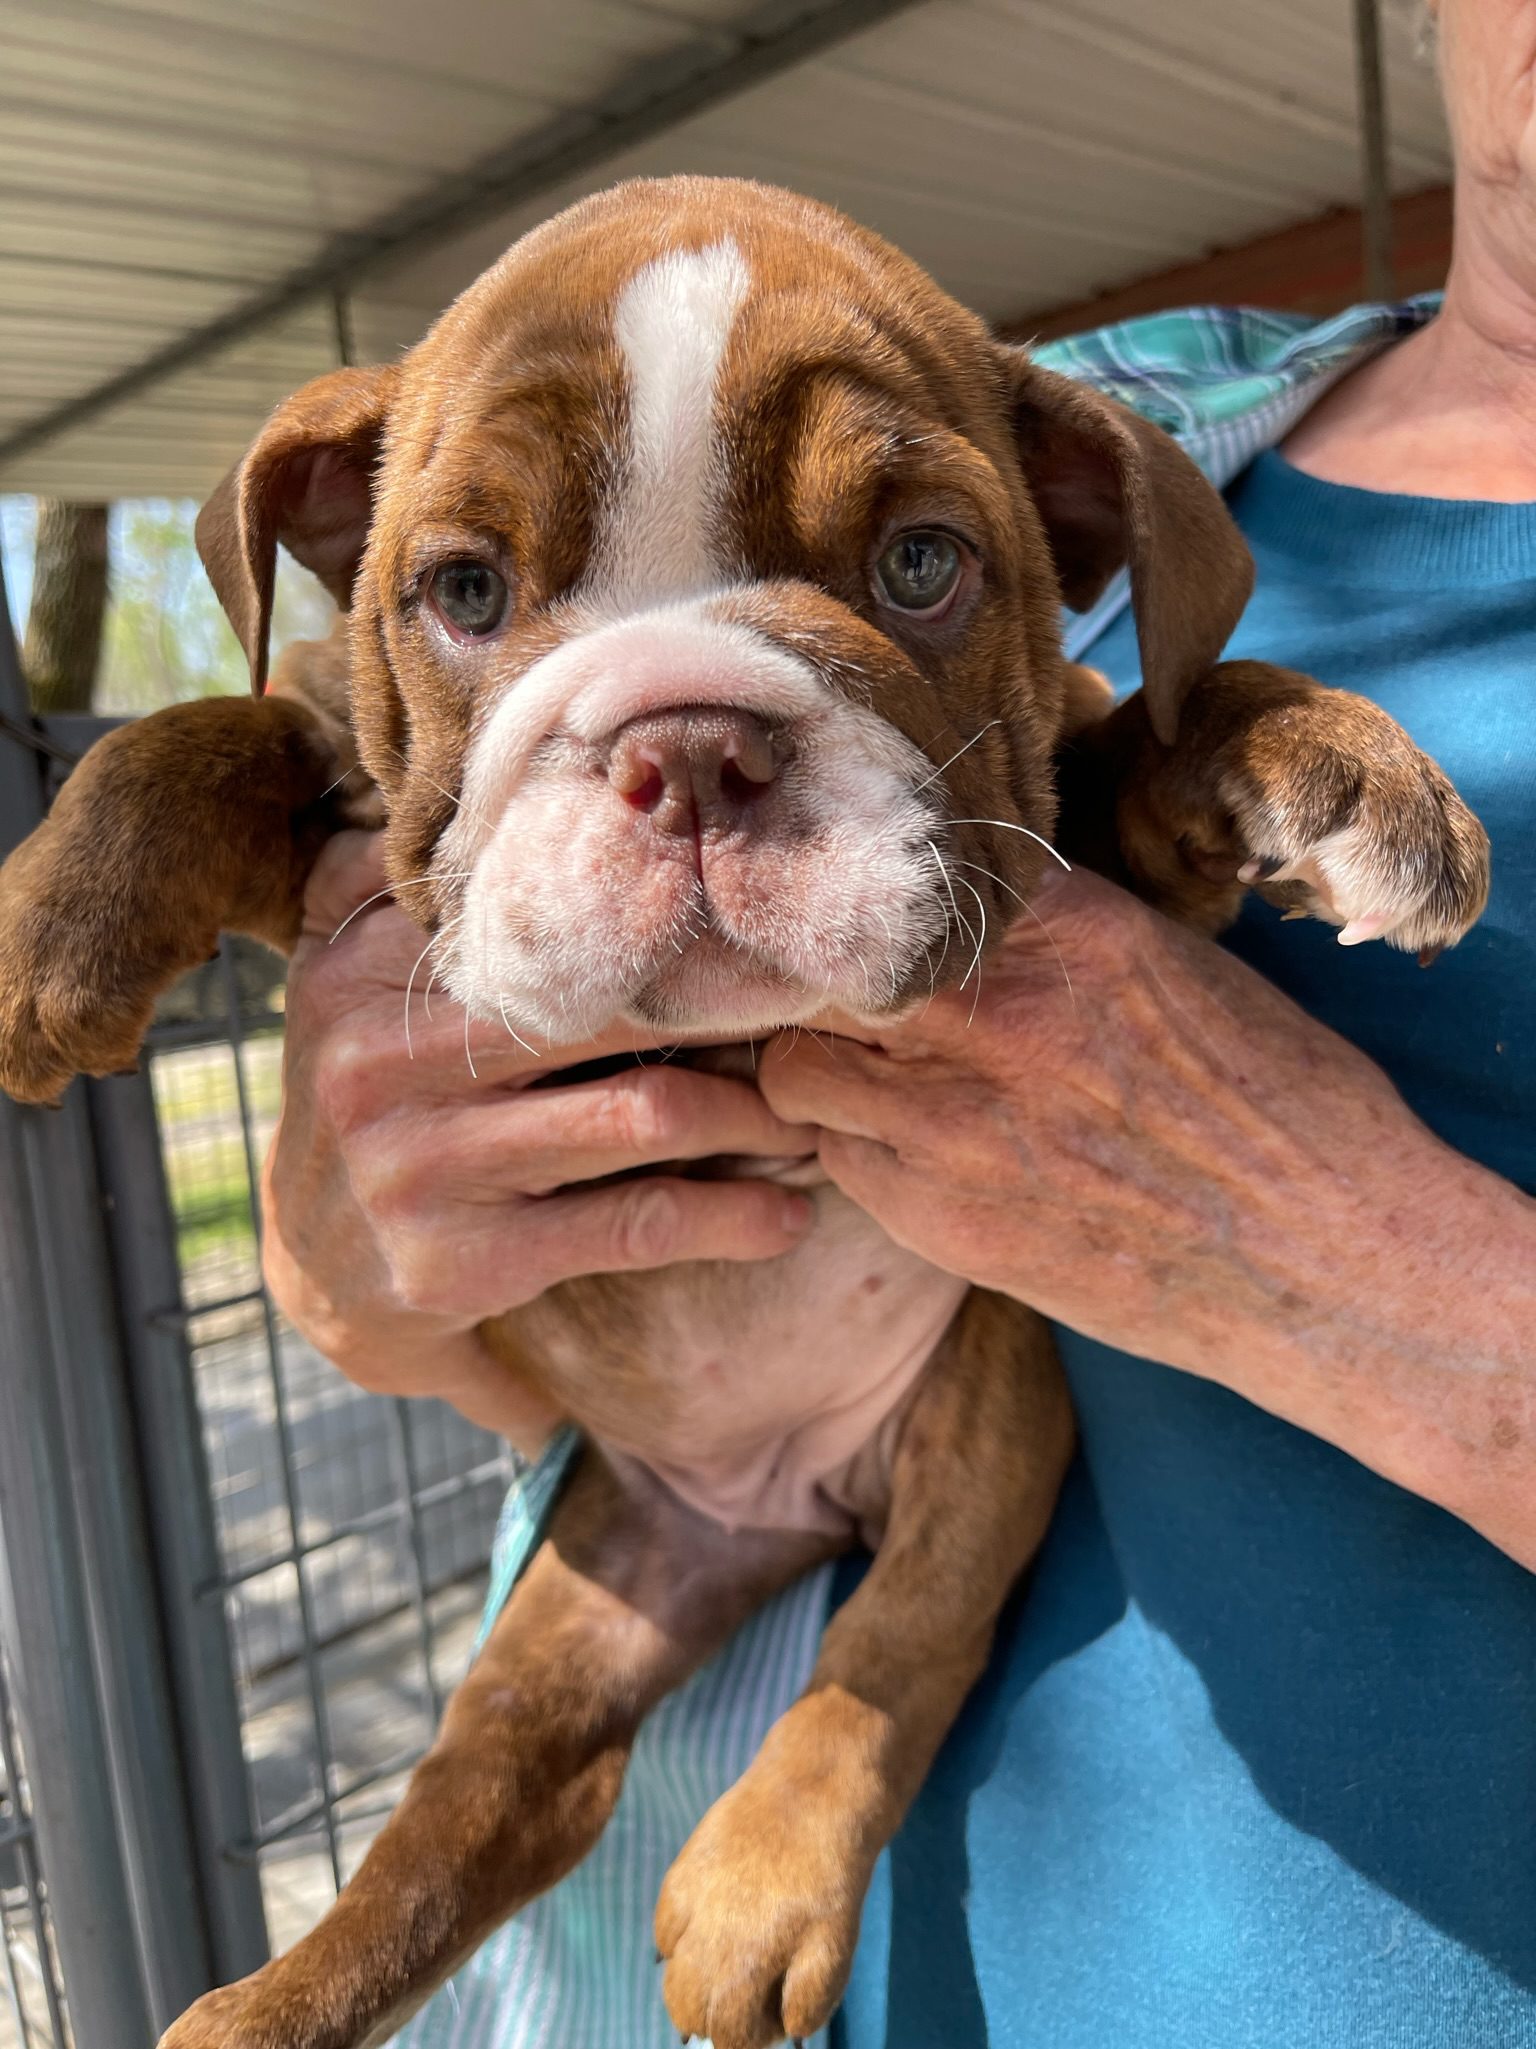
(470, 597)
(918, 571)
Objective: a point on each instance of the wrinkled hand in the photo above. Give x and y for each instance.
(407, 1201)
(1174, 1159)
(1126, 1105)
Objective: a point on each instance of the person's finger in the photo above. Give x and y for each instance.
(540, 1140)
(837, 1084)
(655, 1221)
(658, 1221)
(376, 1038)
(866, 1171)
(349, 871)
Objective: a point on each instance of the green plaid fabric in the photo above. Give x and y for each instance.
(1226, 382)
(576, 1970)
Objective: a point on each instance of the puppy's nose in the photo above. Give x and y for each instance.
(689, 769)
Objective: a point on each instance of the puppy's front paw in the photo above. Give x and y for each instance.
(1344, 819)
(75, 997)
(277, 2008)
(227, 2019)
(758, 1919)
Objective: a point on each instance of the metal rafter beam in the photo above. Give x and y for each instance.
(652, 98)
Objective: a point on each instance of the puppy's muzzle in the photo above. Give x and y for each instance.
(704, 770)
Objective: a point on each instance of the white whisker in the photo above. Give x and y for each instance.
(416, 882)
(513, 1035)
(948, 927)
(977, 869)
(890, 958)
(415, 768)
(410, 1050)
(1008, 826)
(960, 918)
(1060, 962)
(956, 756)
(467, 1054)
(975, 965)
(1028, 906)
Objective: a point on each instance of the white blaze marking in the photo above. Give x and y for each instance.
(672, 322)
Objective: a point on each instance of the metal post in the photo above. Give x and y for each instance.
(309, 1652)
(179, 1503)
(77, 1594)
(341, 316)
(1375, 171)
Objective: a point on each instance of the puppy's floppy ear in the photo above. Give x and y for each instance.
(1111, 490)
(307, 481)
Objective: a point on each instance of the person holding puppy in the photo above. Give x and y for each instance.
(1256, 1758)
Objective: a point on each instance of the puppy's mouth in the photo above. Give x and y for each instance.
(735, 916)
(753, 935)
(700, 837)
(716, 983)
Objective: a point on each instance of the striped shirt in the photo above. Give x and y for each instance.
(577, 1970)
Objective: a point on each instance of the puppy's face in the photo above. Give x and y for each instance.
(704, 618)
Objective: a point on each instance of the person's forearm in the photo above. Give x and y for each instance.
(1174, 1159)
(1397, 1320)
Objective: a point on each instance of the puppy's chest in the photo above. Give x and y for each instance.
(767, 1395)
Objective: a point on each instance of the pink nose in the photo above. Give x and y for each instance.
(691, 769)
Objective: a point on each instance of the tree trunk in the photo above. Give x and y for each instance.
(69, 602)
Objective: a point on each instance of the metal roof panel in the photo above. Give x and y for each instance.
(162, 160)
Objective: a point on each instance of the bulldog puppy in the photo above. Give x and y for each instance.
(703, 568)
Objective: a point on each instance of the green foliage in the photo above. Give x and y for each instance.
(165, 638)
(218, 1224)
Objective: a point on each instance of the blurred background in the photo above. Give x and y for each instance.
(233, 1589)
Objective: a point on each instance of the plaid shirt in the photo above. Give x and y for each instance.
(1226, 382)
(576, 1970)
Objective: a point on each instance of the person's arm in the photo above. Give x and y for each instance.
(1174, 1159)
(407, 1200)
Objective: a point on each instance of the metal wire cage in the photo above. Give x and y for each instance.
(32, 2012)
(352, 1532)
(234, 1589)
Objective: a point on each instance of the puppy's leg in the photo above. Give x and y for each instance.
(1314, 796)
(196, 820)
(630, 1591)
(760, 1913)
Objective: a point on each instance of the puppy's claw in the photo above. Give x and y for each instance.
(1262, 868)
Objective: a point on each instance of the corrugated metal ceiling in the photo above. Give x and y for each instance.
(163, 160)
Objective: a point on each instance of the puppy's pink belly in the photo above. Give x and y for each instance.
(780, 1386)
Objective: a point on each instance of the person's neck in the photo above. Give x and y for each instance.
(1448, 413)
